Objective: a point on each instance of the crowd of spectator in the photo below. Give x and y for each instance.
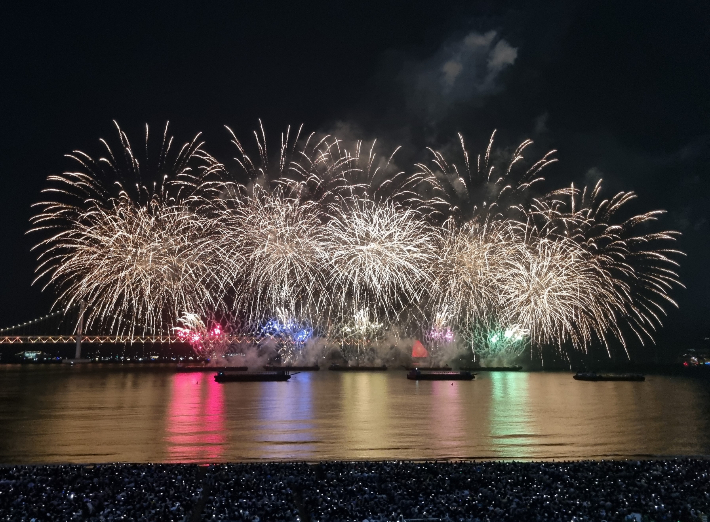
(653, 490)
(247, 492)
(669, 490)
(100, 493)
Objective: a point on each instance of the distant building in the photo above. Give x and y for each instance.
(34, 356)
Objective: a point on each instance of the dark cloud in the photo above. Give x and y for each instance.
(462, 71)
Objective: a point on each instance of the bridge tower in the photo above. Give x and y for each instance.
(79, 331)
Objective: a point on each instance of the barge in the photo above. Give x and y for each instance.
(417, 375)
(429, 368)
(592, 376)
(252, 377)
(493, 369)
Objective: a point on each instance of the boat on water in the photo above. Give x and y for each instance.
(252, 377)
(429, 368)
(593, 376)
(418, 375)
(342, 368)
(292, 368)
(492, 369)
(186, 368)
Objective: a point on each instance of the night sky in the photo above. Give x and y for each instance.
(620, 89)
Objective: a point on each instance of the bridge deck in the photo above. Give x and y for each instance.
(88, 339)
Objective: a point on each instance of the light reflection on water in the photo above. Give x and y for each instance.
(287, 418)
(195, 420)
(447, 415)
(364, 408)
(103, 414)
(510, 422)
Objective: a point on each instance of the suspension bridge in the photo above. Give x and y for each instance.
(66, 327)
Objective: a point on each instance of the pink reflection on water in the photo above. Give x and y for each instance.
(195, 427)
(447, 417)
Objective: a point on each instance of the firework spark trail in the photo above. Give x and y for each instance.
(133, 250)
(468, 269)
(282, 245)
(552, 290)
(338, 239)
(640, 273)
(466, 190)
(135, 266)
(322, 169)
(379, 257)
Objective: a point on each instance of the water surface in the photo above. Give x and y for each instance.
(93, 413)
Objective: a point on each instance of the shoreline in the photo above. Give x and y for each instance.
(444, 460)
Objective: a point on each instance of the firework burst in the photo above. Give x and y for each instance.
(379, 257)
(278, 244)
(554, 291)
(124, 238)
(208, 339)
(136, 268)
(335, 239)
(491, 341)
(484, 186)
(469, 270)
(639, 268)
